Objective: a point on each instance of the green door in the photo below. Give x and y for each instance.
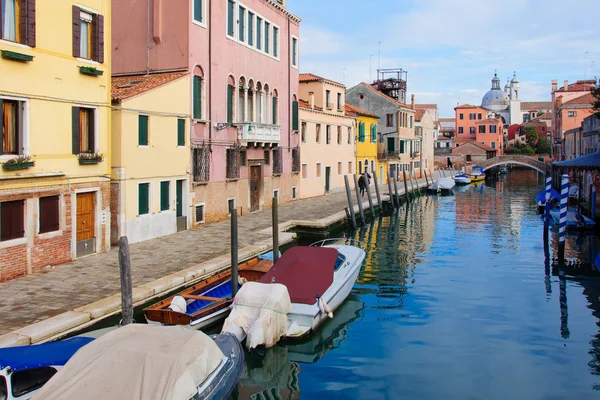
(179, 198)
(390, 145)
(327, 177)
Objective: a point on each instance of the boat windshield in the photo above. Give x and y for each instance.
(29, 380)
(3, 391)
(339, 261)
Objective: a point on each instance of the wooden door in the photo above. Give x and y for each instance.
(255, 188)
(327, 179)
(86, 223)
(179, 198)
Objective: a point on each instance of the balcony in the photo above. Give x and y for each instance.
(257, 134)
(388, 155)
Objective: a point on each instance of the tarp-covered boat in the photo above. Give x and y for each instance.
(140, 361)
(442, 185)
(575, 220)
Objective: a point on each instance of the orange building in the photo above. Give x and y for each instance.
(466, 119)
(489, 132)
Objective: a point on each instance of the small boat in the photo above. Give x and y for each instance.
(575, 220)
(503, 170)
(140, 361)
(541, 199)
(304, 288)
(462, 179)
(208, 301)
(442, 185)
(477, 174)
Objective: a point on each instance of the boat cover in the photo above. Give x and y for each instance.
(541, 198)
(307, 271)
(137, 361)
(443, 184)
(260, 310)
(477, 170)
(41, 355)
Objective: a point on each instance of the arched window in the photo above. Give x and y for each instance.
(230, 95)
(242, 99)
(275, 111)
(197, 93)
(251, 101)
(265, 106)
(259, 102)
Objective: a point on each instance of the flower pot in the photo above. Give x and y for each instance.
(16, 166)
(87, 161)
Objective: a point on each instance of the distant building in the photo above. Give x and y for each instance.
(425, 129)
(367, 139)
(466, 119)
(447, 133)
(591, 134)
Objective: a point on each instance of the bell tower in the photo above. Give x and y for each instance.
(515, 115)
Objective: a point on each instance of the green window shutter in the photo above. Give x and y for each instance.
(229, 103)
(181, 132)
(143, 197)
(294, 115)
(373, 133)
(164, 195)
(230, 17)
(197, 97)
(274, 113)
(361, 132)
(143, 130)
(198, 10)
(1, 119)
(402, 147)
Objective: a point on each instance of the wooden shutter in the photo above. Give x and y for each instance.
(92, 129)
(49, 214)
(274, 110)
(181, 132)
(75, 130)
(1, 117)
(12, 220)
(197, 93)
(98, 38)
(402, 146)
(229, 103)
(143, 130)
(164, 195)
(143, 207)
(294, 115)
(22, 22)
(76, 31)
(27, 22)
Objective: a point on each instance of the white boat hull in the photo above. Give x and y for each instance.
(462, 180)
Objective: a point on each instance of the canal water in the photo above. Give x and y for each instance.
(456, 299)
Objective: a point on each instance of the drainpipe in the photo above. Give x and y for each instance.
(148, 41)
(289, 68)
(210, 128)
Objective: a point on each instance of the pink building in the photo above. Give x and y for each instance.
(243, 60)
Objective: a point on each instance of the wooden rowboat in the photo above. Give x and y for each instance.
(208, 301)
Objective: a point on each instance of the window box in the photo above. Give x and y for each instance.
(90, 71)
(90, 158)
(20, 162)
(13, 55)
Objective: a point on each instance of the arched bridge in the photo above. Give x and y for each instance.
(517, 159)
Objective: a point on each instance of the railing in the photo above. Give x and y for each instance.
(201, 164)
(233, 163)
(257, 132)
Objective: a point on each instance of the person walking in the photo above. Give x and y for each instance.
(363, 181)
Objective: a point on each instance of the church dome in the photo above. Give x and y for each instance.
(495, 99)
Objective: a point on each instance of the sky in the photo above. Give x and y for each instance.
(451, 48)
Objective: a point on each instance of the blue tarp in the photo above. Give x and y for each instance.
(41, 355)
(588, 161)
(268, 255)
(542, 196)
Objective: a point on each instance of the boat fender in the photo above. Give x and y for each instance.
(178, 304)
(241, 280)
(324, 307)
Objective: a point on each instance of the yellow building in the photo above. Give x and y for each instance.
(55, 155)
(150, 156)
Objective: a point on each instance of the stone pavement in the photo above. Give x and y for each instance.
(45, 294)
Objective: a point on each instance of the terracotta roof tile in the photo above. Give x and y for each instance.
(315, 78)
(419, 114)
(353, 110)
(447, 120)
(306, 104)
(586, 99)
(407, 106)
(466, 106)
(536, 105)
(579, 86)
(126, 86)
(425, 106)
(488, 121)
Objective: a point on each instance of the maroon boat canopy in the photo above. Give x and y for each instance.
(306, 271)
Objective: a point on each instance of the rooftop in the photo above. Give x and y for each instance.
(488, 121)
(425, 106)
(536, 105)
(314, 78)
(355, 111)
(579, 86)
(586, 99)
(127, 86)
(406, 106)
(306, 104)
(419, 114)
(466, 106)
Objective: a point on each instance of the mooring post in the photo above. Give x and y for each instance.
(564, 192)
(414, 175)
(350, 206)
(370, 201)
(431, 176)
(424, 172)
(389, 182)
(396, 187)
(377, 191)
(275, 217)
(547, 207)
(406, 194)
(234, 253)
(126, 284)
(360, 209)
(593, 205)
(412, 188)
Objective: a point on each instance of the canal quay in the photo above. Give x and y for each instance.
(456, 299)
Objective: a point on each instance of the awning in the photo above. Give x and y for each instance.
(588, 161)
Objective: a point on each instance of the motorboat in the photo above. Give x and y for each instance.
(477, 174)
(208, 301)
(443, 185)
(462, 179)
(503, 170)
(141, 361)
(304, 288)
(575, 220)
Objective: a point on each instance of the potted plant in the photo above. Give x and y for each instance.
(90, 158)
(19, 162)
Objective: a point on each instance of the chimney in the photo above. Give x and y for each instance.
(566, 84)
(554, 85)
(312, 100)
(412, 101)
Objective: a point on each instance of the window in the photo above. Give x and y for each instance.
(243, 158)
(143, 198)
(233, 166)
(328, 134)
(276, 193)
(295, 116)
(461, 130)
(230, 17)
(197, 97)
(275, 111)
(472, 130)
(481, 128)
(461, 116)
(571, 113)
(318, 135)
(402, 147)
(294, 52)
(28, 380)
(304, 171)
(198, 11)
(349, 167)
(143, 130)
(493, 145)
(340, 106)
(361, 132)
(201, 164)
(277, 161)
(373, 133)
(303, 132)
(479, 116)
(181, 132)
(267, 157)
(165, 198)
(389, 120)
(242, 27)
(230, 103)
(88, 35)
(360, 167)
(275, 41)
(328, 99)
(471, 116)
(339, 135)
(259, 27)
(318, 170)
(17, 21)
(12, 220)
(49, 214)
(11, 132)
(267, 33)
(230, 206)
(339, 168)
(492, 128)
(84, 130)
(294, 192)
(468, 157)
(411, 121)
(199, 213)
(250, 28)
(349, 135)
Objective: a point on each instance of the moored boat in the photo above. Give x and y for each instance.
(140, 361)
(477, 174)
(575, 220)
(442, 185)
(208, 301)
(462, 179)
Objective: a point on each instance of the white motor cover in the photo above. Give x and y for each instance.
(178, 304)
(260, 310)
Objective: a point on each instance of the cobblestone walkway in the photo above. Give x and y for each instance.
(44, 294)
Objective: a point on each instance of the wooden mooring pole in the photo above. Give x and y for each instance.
(360, 209)
(234, 253)
(370, 201)
(275, 218)
(406, 194)
(396, 187)
(424, 172)
(350, 206)
(562, 227)
(377, 191)
(392, 199)
(126, 284)
(547, 207)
